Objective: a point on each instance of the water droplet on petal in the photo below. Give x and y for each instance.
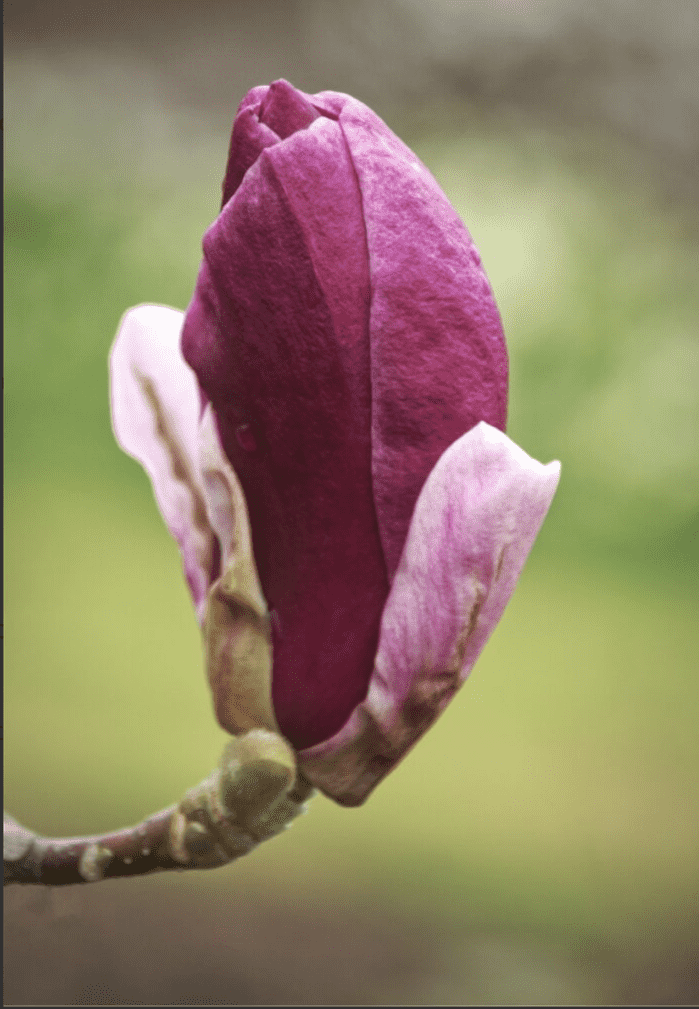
(245, 438)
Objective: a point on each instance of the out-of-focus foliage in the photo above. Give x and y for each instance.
(551, 813)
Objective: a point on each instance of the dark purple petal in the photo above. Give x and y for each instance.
(277, 334)
(248, 140)
(343, 321)
(438, 356)
(286, 110)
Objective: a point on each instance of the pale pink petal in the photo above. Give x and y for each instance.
(155, 416)
(474, 524)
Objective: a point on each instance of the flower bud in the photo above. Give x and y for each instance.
(349, 377)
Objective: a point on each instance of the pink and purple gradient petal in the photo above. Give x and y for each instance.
(473, 527)
(155, 413)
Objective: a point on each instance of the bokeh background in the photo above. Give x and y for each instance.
(540, 845)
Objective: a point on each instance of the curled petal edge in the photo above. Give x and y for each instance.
(158, 420)
(155, 418)
(473, 526)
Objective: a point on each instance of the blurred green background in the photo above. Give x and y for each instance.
(540, 844)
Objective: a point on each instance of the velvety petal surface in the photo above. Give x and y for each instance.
(474, 523)
(278, 335)
(438, 356)
(345, 334)
(155, 405)
(248, 140)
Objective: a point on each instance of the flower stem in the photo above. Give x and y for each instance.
(253, 794)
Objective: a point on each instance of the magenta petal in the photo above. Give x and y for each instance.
(474, 524)
(438, 355)
(278, 335)
(342, 325)
(286, 110)
(253, 97)
(155, 414)
(265, 116)
(249, 139)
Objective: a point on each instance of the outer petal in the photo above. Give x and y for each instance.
(277, 334)
(248, 139)
(155, 415)
(438, 355)
(474, 524)
(156, 419)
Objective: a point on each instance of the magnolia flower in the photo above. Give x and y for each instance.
(323, 429)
